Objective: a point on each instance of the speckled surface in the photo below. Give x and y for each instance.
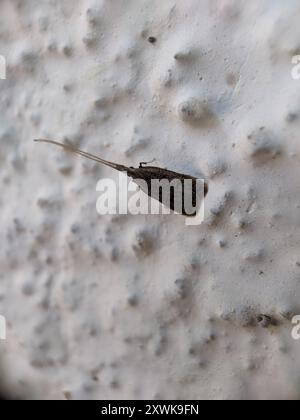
(144, 306)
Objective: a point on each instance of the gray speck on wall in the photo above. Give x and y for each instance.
(140, 307)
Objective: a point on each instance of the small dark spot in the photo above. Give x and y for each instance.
(114, 384)
(152, 39)
(292, 117)
(75, 229)
(231, 79)
(49, 260)
(67, 395)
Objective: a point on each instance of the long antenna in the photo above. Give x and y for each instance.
(73, 149)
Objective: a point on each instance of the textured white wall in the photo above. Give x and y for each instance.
(143, 306)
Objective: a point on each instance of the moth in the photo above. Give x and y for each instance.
(148, 174)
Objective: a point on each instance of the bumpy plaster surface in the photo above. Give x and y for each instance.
(144, 306)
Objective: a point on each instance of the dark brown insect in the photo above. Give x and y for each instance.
(147, 174)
